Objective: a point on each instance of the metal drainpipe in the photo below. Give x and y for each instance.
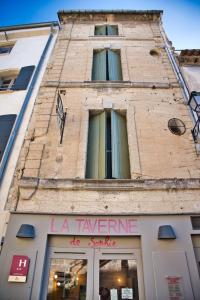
(175, 66)
(23, 110)
(184, 88)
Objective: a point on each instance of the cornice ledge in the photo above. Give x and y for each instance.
(110, 184)
(106, 84)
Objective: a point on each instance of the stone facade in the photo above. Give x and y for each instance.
(149, 94)
(52, 196)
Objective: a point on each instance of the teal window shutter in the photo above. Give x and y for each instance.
(6, 125)
(100, 30)
(114, 65)
(112, 30)
(95, 167)
(99, 65)
(120, 153)
(23, 79)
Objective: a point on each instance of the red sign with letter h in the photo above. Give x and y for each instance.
(20, 265)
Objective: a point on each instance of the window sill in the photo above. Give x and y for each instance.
(109, 184)
(7, 92)
(106, 36)
(110, 84)
(107, 81)
(2, 54)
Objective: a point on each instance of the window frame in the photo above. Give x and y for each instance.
(109, 65)
(116, 26)
(19, 79)
(98, 153)
(8, 46)
(5, 86)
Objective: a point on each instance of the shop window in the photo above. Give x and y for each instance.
(6, 125)
(106, 65)
(106, 30)
(196, 247)
(6, 49)
(195, 222)
(68, 279)
(107, 153)
(13, 81)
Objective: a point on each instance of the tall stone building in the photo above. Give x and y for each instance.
(105, 199)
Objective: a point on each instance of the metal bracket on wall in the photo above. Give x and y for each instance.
(61, 116)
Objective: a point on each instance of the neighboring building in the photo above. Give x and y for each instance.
(105, 198)
(189, 64)
(189, 61)
(24, 52)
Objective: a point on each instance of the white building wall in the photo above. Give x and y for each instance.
(26, 51)
(192, 77)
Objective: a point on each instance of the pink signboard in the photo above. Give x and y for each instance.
(19, 268)
(94, 226)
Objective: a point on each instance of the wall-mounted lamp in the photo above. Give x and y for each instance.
(166, 232)
(26, 231)
(194, 102)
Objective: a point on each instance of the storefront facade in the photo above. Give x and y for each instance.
(105, 199)
(102, 257)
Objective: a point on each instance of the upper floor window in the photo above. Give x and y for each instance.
(106, 65)
(5, 49)
(107, 152)
(6, 125)
(6, 83)
(106, 30)
(9, 80)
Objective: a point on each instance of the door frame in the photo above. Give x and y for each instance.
(93, 256)
(72, 253)
(117, 253)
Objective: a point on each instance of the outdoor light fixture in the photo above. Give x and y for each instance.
(26, 231)
(194, 102)
(166, 232)
(196, 131)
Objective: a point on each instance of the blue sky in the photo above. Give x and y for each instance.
(181, 17)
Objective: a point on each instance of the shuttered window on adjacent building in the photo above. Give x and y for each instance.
(106, 65)
(16, 82)
(107, 152)
(6, 125)
(106, 30)
(23, 79)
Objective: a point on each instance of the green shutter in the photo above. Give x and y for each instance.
(100, 30)
(120, 153)
(112, 30)
(99, 65)
(114, 65)
(96, 147)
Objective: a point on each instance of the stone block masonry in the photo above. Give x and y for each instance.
(149, 96)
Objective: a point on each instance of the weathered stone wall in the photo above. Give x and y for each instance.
(150, 96)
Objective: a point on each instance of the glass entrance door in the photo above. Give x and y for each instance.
(117, 274)
(70, 274)
(95, 274)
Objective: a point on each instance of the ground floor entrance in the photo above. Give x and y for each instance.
(100, 258)
(103, 269)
